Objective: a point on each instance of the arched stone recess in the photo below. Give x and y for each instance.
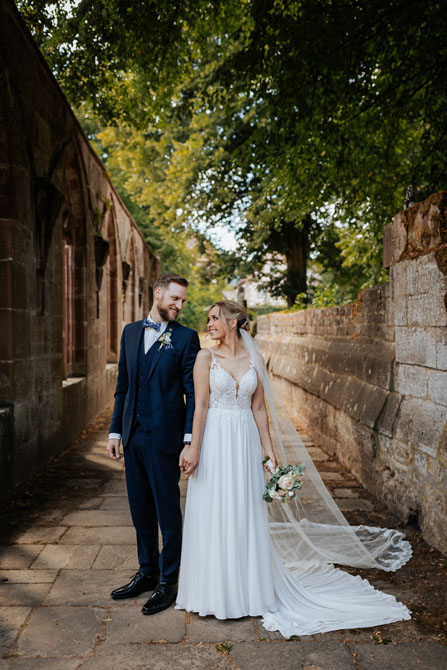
(113, 315)
(129, 271)
(75, 299)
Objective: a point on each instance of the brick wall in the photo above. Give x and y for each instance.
(369, 380)
(63, 304)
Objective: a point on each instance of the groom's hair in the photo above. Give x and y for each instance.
(167, 278)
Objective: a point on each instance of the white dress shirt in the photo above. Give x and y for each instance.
(150, 337)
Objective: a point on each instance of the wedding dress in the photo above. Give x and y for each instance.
(235, 563)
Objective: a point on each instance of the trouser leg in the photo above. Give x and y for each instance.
(164, 474)
(141, 502)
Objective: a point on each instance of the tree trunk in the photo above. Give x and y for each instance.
(296, 252)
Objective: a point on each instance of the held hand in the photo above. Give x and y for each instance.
(273, 460)
(189, 460)
(113, 449)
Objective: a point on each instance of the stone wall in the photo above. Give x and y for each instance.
(368, 380)
(65, 293)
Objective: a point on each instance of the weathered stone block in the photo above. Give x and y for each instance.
(437, 386)
(385, 422)
(394, 242)
(441, 349)
(420, 424)
(424, 276)
(437, 475)
(411, 380)
(427, 310)
(400, 314)
(399, 280)
(417, 346)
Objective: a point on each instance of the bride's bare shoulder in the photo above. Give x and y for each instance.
(204, 356)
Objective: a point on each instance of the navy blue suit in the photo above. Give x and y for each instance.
(151, 415)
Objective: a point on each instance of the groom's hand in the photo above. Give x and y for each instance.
(113, 449)
(189, 460)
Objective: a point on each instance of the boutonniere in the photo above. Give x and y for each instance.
(165, 340)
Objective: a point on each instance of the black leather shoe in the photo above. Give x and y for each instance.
(138, 584)
(162, 598)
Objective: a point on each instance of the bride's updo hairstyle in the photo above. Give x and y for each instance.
(232, 310)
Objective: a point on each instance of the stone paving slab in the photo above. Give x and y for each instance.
(209, 629)
(69, 556)
(168, 626)
(83, 483)
(353, 505)
(158, 657)
(114, 487)
(60, 631)
(23, 594)
(13, 617)
(117, 556)
(40, 535)
(27, 576)
(21, 663)
(317, 454)
(332, 476)
(115, 502)
(95, 517)
(86, 587)
(50, 517)
(102, 535)
(296, 655)
(346, 493)
(91, 503)
(17, 557)
(404, 656)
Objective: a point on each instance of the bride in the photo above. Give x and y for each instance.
(244, 557)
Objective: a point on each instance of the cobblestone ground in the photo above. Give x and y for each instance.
(69, 540)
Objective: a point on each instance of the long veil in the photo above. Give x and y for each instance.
(311, 529)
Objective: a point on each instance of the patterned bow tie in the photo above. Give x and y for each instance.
(152, 324)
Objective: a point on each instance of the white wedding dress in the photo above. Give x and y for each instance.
(229, 566)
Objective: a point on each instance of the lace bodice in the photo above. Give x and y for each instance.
(225, 392)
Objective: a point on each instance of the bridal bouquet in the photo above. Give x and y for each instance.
(284, 483)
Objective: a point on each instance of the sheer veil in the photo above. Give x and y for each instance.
(310, 530)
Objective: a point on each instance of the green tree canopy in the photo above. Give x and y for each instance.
(303, 121)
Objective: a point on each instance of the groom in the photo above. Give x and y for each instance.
(150, 416)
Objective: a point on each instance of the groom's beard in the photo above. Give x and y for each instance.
(164, 313)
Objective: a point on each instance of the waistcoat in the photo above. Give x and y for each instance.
(142, 411)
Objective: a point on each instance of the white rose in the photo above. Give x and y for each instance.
(286, 482)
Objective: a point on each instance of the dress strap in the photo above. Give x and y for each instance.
(214, 362)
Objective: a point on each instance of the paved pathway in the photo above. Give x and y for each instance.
(69, 541)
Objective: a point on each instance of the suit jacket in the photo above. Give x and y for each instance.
(169, 380)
